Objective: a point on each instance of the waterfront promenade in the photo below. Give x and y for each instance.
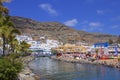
(109, 62)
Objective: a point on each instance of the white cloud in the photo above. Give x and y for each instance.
(95, 24)
(115, 26)
(48, 7)
(91, 26)
(100, 12)
(84, 22)
(116, 18)
(72, 22)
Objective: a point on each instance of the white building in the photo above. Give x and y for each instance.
(23, 38)
(38, 45)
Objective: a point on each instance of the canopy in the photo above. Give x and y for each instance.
(71, 48)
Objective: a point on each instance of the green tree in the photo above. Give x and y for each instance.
(10, 66)
(8, 33)
(9, 70)
(118, 40)
(4, 22)
(24, 46)
(16, 47)
(3, 9)
(110, 41)
(12, 41)
(96, 51)
(6, 30)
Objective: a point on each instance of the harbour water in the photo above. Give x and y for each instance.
(50, 69)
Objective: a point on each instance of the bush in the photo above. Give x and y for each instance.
(14, 55)
(18, 55)
(25, 54)
(9, 70)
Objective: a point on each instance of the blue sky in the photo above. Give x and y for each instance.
(102, 16)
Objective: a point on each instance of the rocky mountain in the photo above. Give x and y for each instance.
(58, 31)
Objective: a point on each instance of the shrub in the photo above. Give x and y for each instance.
(25, 54)
(9, 70)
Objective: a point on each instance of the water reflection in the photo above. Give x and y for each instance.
(50, 69)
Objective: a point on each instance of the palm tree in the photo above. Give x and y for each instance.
(9, 34)
(24, 46)
(3, 9)
(15, 46)
(5, 30)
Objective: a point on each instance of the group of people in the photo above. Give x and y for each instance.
(88, 56)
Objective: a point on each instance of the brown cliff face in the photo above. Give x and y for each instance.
(58, 31)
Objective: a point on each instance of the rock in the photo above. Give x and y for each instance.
(26, 73)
